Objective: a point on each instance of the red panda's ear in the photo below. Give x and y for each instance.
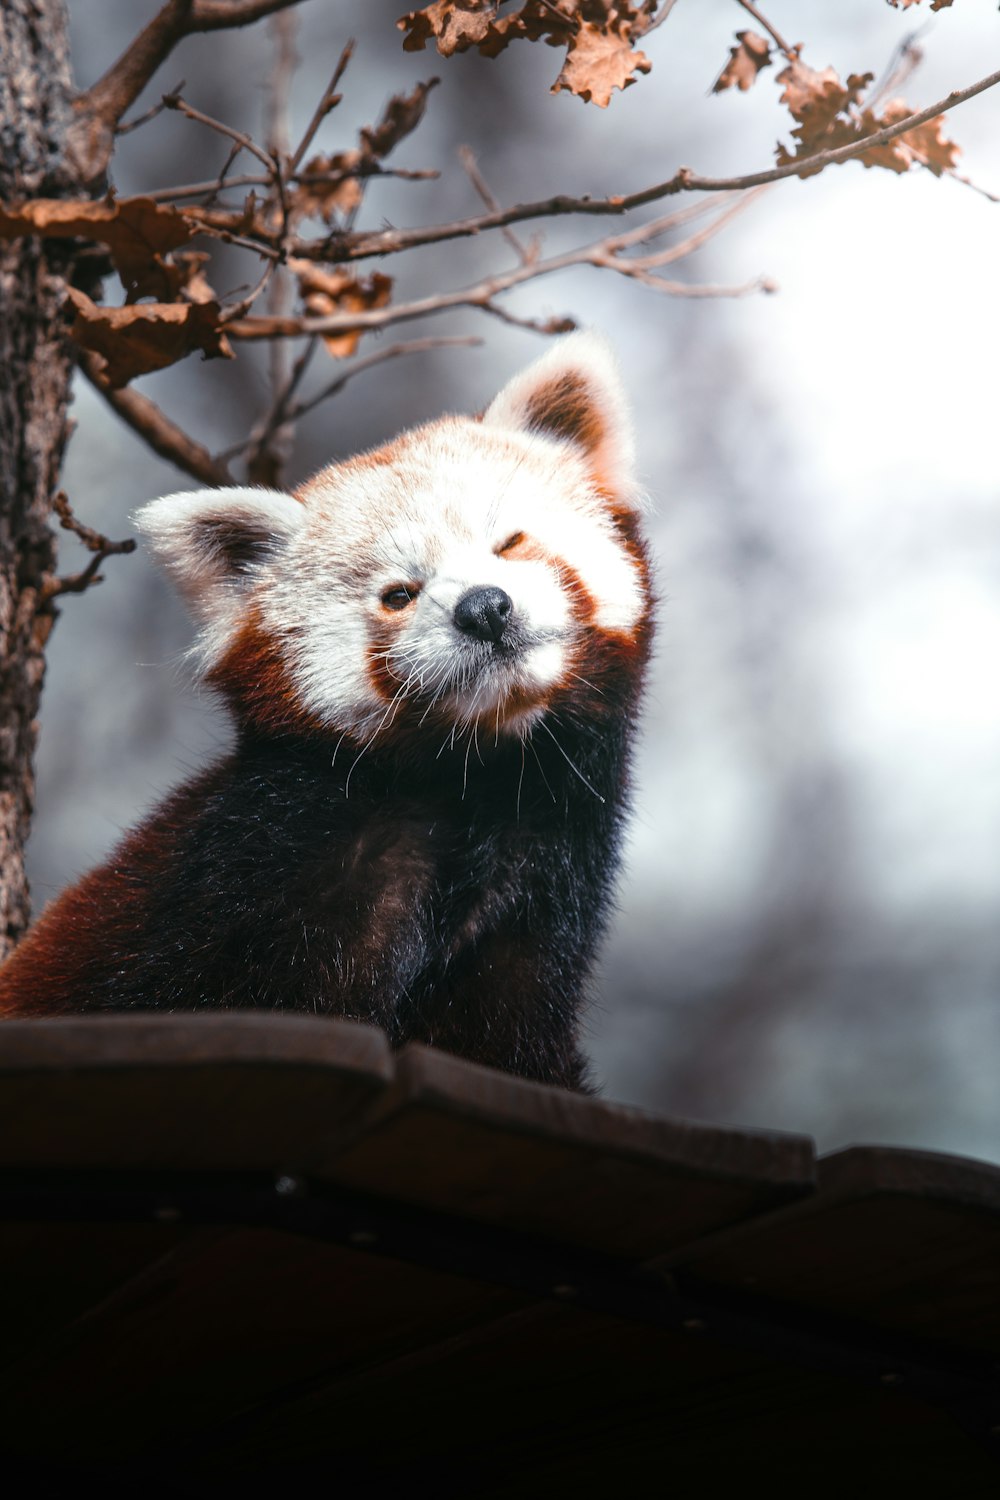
(575, 393)
(212, 541)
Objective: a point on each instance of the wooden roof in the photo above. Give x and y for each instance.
(240, 1244)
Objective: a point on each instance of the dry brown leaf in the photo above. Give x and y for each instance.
(402, 115)
(830, 115)
(332, 185)
(455, 25)
(751, 53)
(328, 186)
(892, 155)
(826, 109)
(935, 4)
(930, 147)
(925, 145)
(535, 20)
(598, 62)
(146, 336)
(599, 36)
(816, 99)
(181, 277)
(137, 231)
(326, 292)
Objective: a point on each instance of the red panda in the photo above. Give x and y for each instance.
(433, 654)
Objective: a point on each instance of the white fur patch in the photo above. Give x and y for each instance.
(588, 359)
(179, 530)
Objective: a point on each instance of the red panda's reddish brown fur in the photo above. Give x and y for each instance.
(434, 656)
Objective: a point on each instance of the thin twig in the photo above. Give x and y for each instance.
(223, 178)
(229, 314)
(277, 414)
(684, 180)
(960, 177)
(98, 109)
(91, 539)
(903, 63)
(94, 542)
(471, 169)
(685, 247)
(127, 126)
(790, 52)
(199, 189)
(696, 289)
(228, 238)
(379, 357)
(665, 10)
(174, 101)
(548, 326)
(157, 430)
(481, 295)
(329, 101)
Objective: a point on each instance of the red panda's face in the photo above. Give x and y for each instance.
(468, 578)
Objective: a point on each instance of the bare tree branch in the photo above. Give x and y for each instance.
(246, 142)
(658, 20)
(201, 189)
(603, 253)
(276, 416)
(287, 411)
(379, 357)
(684, 180)
(156, 429)
(546, 326)
(329, 101)
(100, 546)
(471, 168)
(127, 126)
(790, 52)
(99, 108)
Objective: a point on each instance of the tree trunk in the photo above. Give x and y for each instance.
(35, 368)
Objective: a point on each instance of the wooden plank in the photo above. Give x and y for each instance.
(465, 1140)
(901, 1240)
(237, 1091)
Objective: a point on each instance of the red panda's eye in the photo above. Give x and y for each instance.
(512, 541)
(400, 596)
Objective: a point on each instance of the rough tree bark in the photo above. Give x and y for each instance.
(35, 368)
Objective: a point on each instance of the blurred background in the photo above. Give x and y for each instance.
(807, 935)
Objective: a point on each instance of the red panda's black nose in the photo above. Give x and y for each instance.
(484, 613)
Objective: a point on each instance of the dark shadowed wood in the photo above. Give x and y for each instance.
(236, 1245)
(462, 1139)
(226, 1322)
(906, 1240)
(576, 1404)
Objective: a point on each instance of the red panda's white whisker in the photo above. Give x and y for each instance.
(587, 683)
(369, 742)
(569, 762)
(541, 768)
(465, 768)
